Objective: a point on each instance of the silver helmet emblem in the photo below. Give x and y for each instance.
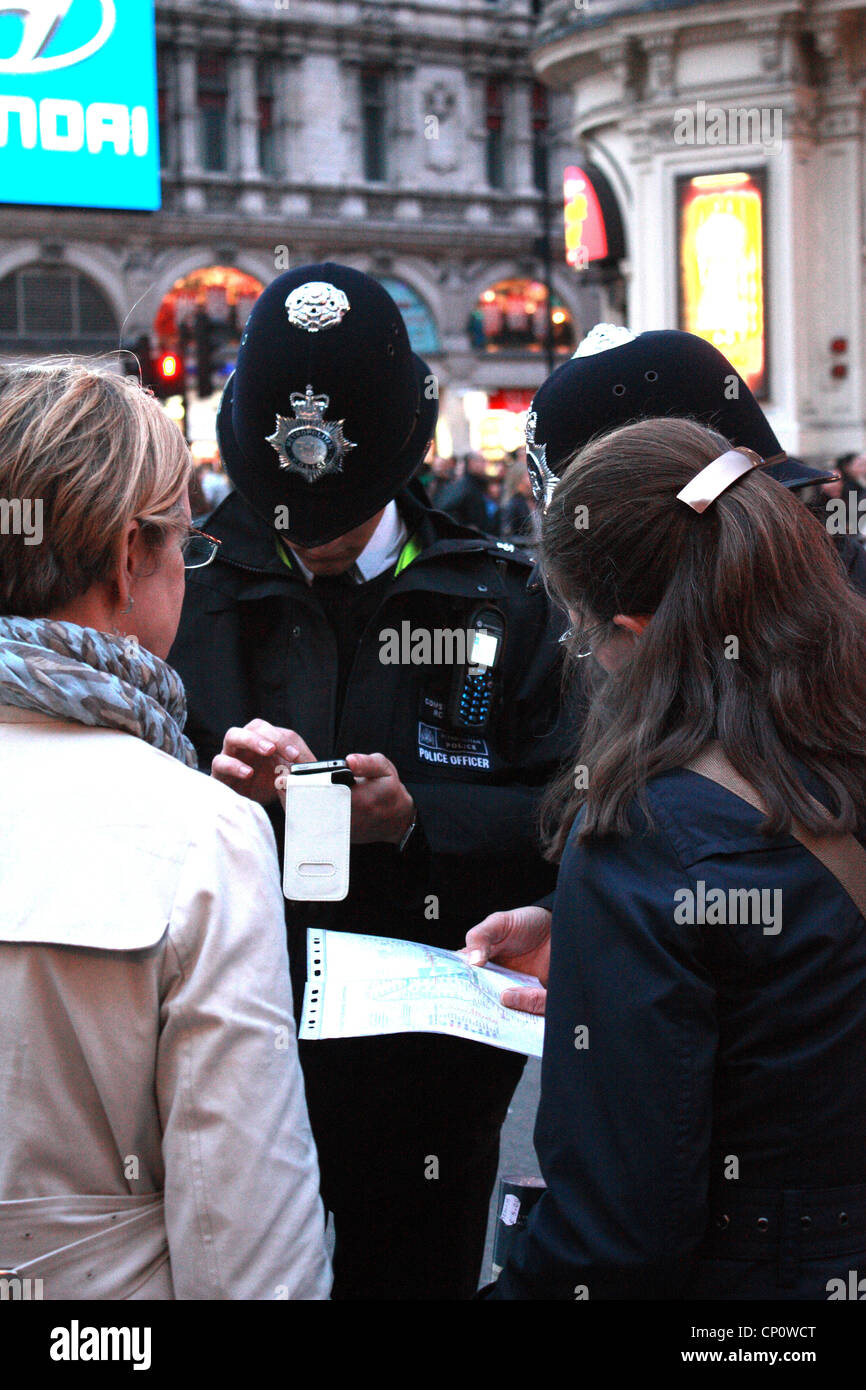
(309, 444)
(542, 478)
(316, 306)
(602, 338)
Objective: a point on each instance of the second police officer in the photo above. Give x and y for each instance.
(328, 549)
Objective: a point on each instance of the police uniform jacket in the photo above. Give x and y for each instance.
(703, 1099)
(255, 642)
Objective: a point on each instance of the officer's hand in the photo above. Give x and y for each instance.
(520, 940)
(382, 809)
(254, 760)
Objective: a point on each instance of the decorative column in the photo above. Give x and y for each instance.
(519, 135)
(407, 135)
(243, 79)
(290, 113)
(476, 136)
(189, 163)
(348, 83)
(404, 126)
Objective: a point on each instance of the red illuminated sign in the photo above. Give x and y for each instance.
(585, 232)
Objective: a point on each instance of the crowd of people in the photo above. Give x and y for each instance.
(657, 809)
(495, 497)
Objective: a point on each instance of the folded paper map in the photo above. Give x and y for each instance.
(358, 986)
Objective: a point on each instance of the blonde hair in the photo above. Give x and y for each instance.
(94, 451)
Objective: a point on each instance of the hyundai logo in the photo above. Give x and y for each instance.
(42, 20)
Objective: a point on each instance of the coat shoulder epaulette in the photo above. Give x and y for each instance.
(507, 550)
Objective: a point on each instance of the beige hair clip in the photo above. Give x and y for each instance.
(706, 486)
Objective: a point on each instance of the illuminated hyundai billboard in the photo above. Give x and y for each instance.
(78, 111)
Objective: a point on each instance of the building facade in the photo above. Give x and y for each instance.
(733, 135)
(408, 138)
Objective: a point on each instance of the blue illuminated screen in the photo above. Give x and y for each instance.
(78, 107)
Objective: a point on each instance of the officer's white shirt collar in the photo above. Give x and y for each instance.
(381, 552)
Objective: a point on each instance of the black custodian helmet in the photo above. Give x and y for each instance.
(328, 412)
(615, 379)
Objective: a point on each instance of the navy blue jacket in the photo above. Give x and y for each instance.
(705, 1137)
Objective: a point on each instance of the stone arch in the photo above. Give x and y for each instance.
(73, 257)
(85, 320)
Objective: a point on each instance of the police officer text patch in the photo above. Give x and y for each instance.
(453, 749)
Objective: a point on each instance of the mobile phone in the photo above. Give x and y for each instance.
(341, 773)
(474, 684)
(318, 829)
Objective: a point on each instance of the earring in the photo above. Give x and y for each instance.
(129, 606)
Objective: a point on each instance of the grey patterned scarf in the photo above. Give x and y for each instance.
(93, 678)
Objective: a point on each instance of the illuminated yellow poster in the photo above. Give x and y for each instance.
(722, 269)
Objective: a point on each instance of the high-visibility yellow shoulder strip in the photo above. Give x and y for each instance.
(411, 550)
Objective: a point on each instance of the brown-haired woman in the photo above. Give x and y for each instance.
(154, 1139)
(703, 1099)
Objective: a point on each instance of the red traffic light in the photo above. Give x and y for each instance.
(168, 366)
(168, 375)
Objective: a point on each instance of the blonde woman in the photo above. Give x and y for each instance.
(155, 1140)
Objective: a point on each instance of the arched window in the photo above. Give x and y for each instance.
(420, 323)
(512, 315)
(48, 309)
(202, 317)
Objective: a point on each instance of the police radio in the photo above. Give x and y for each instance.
(472, 689)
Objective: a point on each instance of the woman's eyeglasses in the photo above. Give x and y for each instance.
(198, 549)
(584, 637)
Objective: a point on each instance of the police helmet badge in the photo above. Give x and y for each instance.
(310, 445)
(542, 478)
(316, 306)
(602, 338)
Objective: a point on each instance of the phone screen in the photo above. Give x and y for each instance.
(484, 648)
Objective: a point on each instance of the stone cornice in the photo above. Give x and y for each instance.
(562, 58)
(171, 231)
(369, 28)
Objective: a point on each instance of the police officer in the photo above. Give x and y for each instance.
(328, 552)
(616, 378)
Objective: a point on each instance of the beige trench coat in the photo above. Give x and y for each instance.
(154, 1140)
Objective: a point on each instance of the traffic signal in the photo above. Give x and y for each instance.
(168, 375)
(203, 332)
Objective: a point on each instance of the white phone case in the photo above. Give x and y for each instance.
(318, 821)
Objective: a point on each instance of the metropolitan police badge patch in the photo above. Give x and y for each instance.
(310, 445)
